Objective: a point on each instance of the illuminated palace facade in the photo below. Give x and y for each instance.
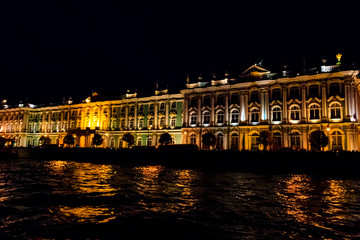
(235, 110)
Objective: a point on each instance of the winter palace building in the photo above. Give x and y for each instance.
(234, 109)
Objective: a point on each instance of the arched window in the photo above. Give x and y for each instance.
(276, 114)
(161, 122)
(173, 122)
(294, 113)
(131, 123)
(234, 98)
(112, 142)
(206, 117)
(314, 112)
(162, 106)
(193, 118)
(122, 123)
(277, 139)
(149, 141)
(254, 115)
(220, 117)
(254, 141)
(151, 107)
(295, 139)
(193, 138)
(139, 141)
(235, 116)
(234, 141)
(141, 123)
(150, 122)
(173, 105)
(335, 111)
(220, 141)
(336, 140)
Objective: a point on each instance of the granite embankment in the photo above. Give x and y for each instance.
(289, 161)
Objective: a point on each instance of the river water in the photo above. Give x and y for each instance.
(72, 200)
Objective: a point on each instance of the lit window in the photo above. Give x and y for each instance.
(220, 141)
(173, 122)
(206, 118)
(255, 141)
(295, 139)
(314, 112)
(335, 111)
(276, 114)
(295, 113)
(336, 140)
(141, 123)
(255, 115)
(220, 117)
(277, 139)
(234, 141)
(161, 122)
(193, 138)
(193, 118)
(235, 116)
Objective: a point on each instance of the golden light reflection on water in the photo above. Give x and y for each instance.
(88, 213)
(86, 178)
(300, 202)
(177, 185)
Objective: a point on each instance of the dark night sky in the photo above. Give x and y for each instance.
(52, 49)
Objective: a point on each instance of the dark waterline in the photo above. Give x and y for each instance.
(64, 199)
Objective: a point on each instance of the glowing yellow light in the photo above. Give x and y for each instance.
(106, 134)
(327, 129)
(338, 56)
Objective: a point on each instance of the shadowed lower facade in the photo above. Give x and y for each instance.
(234, 109)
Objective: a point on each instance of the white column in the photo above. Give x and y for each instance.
(155, 115)
(347, 99)
(262, 105)
(267, 107)
(199, 111)
(303, 103)
(126, 116)
(246, 105)
(242, 108)
(226, 108)
(285, 112)
(186, 111)
(324, 101)
(212, 110)
(167, 114)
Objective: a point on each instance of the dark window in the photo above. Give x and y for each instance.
(294, 93)
(220, 99)
(206, 101)
(254, 96)
(193, 102)
(334, 89)
(314, 91)
(235, 98)
(276, 94)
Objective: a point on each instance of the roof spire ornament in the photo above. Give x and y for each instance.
(187, 79)
(338, 56)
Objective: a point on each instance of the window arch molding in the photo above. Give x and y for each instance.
(294, 112)
(335, 111)
(314, 112)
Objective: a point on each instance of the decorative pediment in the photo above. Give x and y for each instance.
(313, 100)
(276, 102)
(294, 101)
(255, 69)
(335, 98)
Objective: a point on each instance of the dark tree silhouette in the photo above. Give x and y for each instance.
(44, 140)
(208, 140)
(318, 140)
(165, 139)
(97, 140)
(129, 138)
(265, 139)
(69, 140)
